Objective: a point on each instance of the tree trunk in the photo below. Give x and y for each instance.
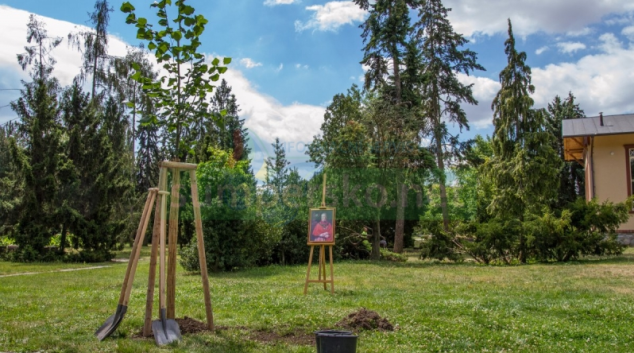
(441, 182)
(376, 247)
(400, 218)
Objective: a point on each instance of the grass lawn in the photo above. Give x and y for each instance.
(586, 306)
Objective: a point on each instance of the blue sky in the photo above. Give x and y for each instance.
(291, 56)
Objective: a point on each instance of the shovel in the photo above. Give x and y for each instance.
(165, 330)
(113, 321)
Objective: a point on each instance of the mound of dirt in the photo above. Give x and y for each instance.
(364, 319)
(189, 325)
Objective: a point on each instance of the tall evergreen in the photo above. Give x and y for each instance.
(525, 166)
(39, 156)
(94, 46)
(571, 176)
(387, 35)
(277, 168)
(442, 92)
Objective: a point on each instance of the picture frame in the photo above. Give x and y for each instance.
(322, 226)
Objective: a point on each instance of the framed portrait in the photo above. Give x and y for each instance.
(321, 226)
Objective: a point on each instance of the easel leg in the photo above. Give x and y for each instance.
(310, 262)
(147, 325)
(201, 250)
(173, 236)
(332, 275)
(323, 265)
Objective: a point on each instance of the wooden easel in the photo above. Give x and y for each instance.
(159, 226)
(322, 257)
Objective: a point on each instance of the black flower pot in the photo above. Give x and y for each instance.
(331, 341)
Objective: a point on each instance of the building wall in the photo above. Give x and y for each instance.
(610, 170)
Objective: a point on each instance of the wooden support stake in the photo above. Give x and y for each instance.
(201, 249)
(173, 240)
(147, 325)
(323, 265)
(332, 274)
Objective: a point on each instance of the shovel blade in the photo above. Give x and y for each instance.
(111, 324)
(166, 332)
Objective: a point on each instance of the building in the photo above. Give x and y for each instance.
(605, 147)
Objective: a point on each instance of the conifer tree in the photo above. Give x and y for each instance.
(524, 166)
(571, 178)
(442, 92)
(94, 46)
(277, 168)
(39, 156)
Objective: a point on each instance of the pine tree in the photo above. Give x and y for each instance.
(571, 176)
(38, 157)
(524, 166)
(94, 46)
(276, 169)
(442, 92)
(388, 35)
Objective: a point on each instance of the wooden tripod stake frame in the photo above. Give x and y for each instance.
(159, 226)
(322, 256)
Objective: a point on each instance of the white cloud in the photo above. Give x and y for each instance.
(570, 47)
(279, 68)
(278, 2)
(541, 50)
(628, 32)
(265, 117)
(471, 17)
(331, 16)
(249, 64)
(580, 33)
(484, 90)
(300, 66)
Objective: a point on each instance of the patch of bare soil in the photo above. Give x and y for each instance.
(364, 319)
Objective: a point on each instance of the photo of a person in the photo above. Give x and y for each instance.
(321, 226)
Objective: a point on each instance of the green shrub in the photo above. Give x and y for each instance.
(387, 255)
(437, 243)
(582, 228)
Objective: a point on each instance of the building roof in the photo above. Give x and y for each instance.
(612, 125)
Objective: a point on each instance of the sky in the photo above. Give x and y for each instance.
(290, 57)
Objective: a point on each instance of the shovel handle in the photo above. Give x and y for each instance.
(143, 224)
(138, 239)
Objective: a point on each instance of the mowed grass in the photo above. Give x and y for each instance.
(586, 306)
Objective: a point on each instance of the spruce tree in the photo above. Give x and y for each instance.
(94, 46)
(442, 92)
(572, 175)
(39, 155)
(524, 167)
(277, 168)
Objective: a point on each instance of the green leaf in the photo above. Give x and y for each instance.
(136, 76)
(162, 22)
(226, 61)
(223, 112)
(198, 30)
(136, 66)
(130, 104)
(126, 7)
(215, 62)
(215, 77)
(141, 22)
(130, 19)
(151, 46)
(187, 10)
(222, 70)
(177, 35)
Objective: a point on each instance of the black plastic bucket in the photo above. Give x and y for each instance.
(332, 341)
